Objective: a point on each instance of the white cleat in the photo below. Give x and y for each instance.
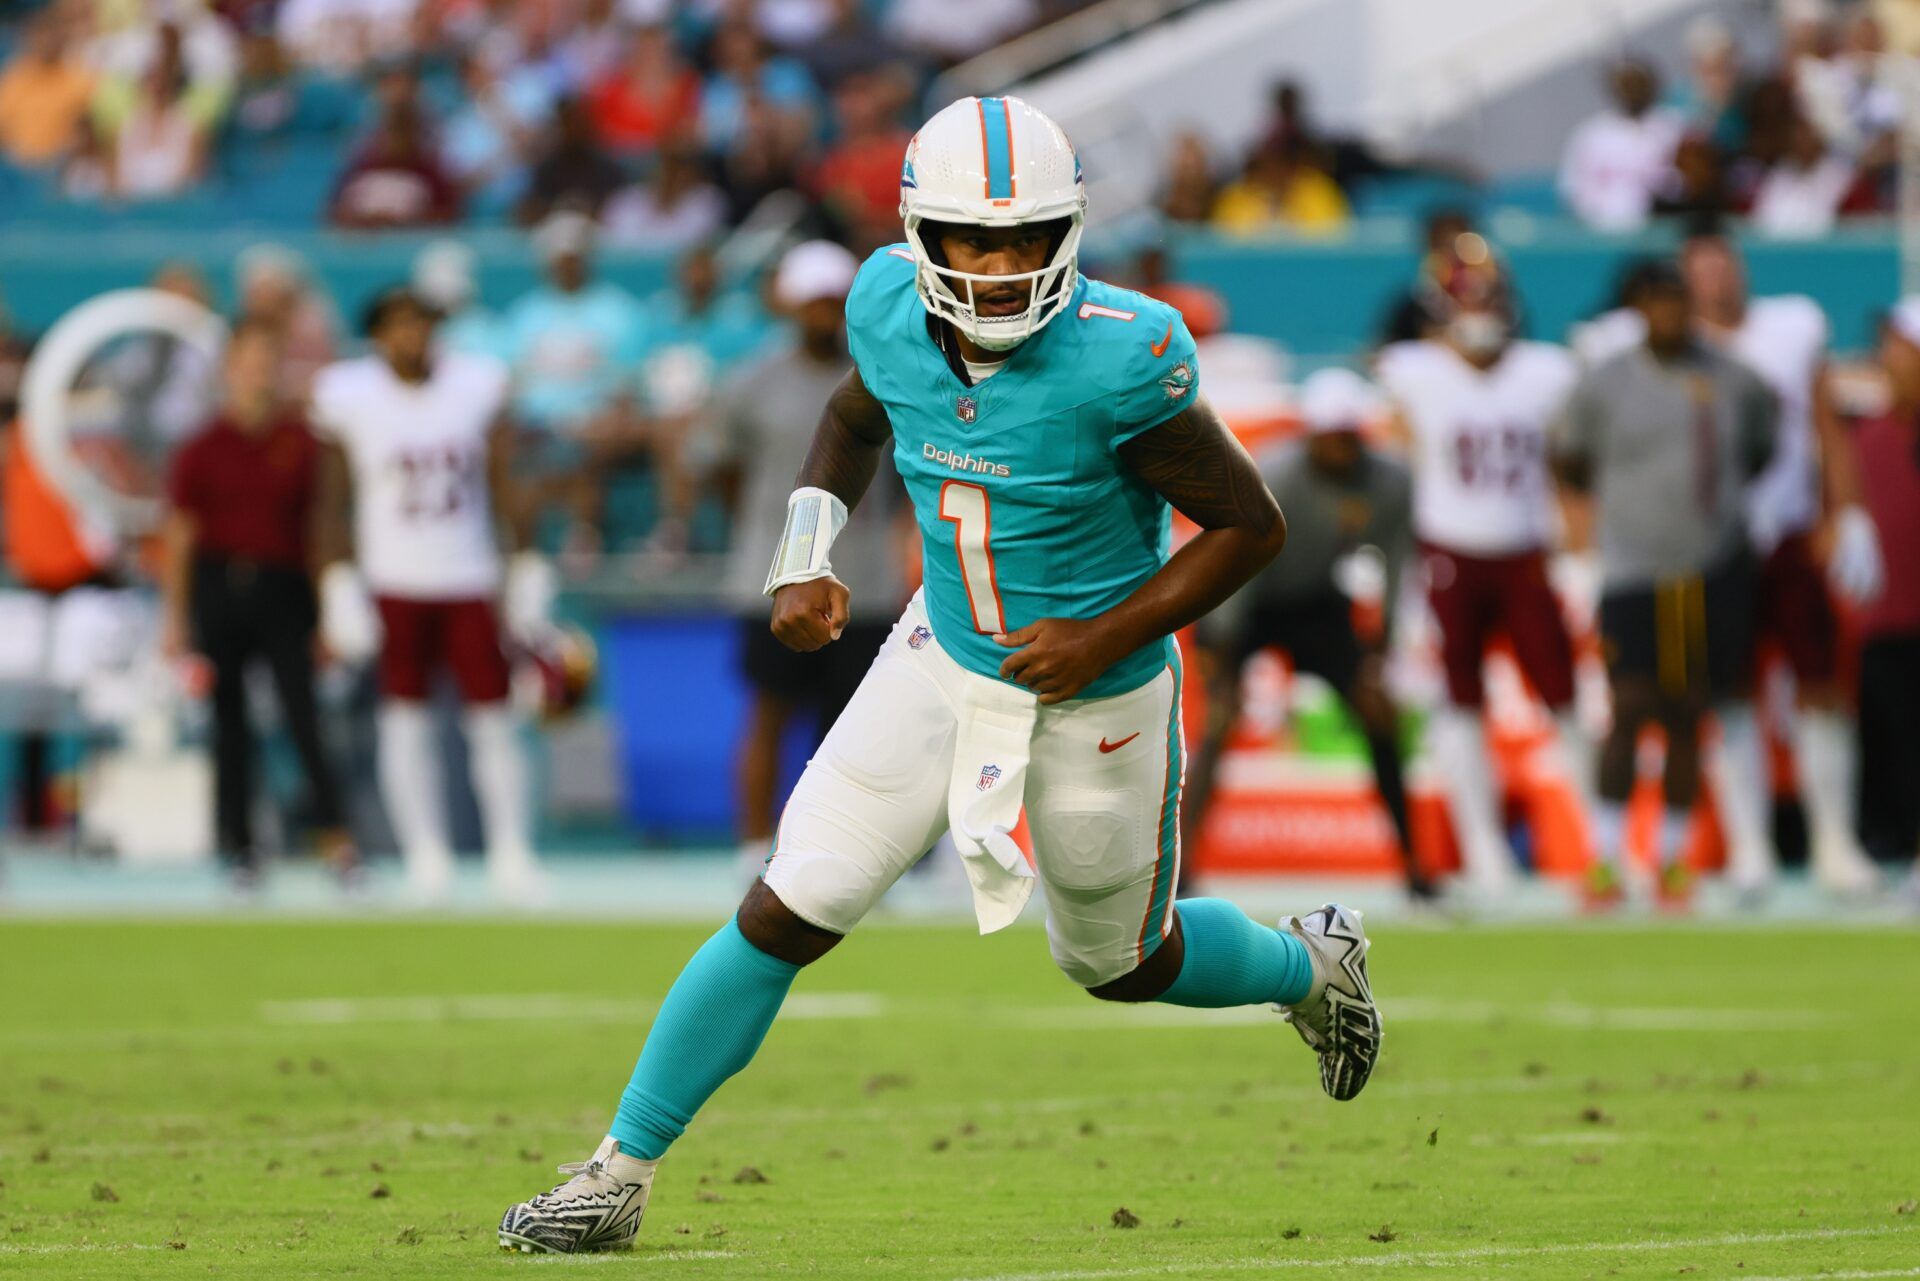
(1842, 868)
(516, 880)
(1909, 892)
(1752, 882)
(429, 879)
(1338, 1019)
(599, 1208)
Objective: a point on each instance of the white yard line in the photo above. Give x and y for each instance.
(79, 1247)
(536, 1007)
(550, 1260)
(616, 1256)
(1677, 1018)
(1568, 1138)
(1824, 1275)
(353, 1014)
(1423, 1258)
(1417, 1009)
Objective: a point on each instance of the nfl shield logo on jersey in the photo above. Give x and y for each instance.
(918, 638)
(965, 408)
(989, 775)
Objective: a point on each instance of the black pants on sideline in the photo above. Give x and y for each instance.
(1889, 748)
(244, 611)
(1318, 635)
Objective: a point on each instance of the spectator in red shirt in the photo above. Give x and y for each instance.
(649, 98)
(859, 178)
(1889, 452)
(396, 180)
(1204, 310)
(235, 576)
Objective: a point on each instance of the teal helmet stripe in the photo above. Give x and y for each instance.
(997, 138)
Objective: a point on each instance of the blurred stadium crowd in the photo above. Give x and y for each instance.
(668, 122)
(671, 122)
(1794, 142)
(642, 423)
(1794, 145)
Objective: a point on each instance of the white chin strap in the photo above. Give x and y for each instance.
(1003, 333)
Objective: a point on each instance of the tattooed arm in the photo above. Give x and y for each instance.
(845, 453)
(1195, 463)
(846, 445)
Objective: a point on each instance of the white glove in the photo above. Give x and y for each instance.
(349, 624)
(1578, 579)
(1854, 566)
(527, 600)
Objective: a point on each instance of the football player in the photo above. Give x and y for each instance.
(1665, 436)
(1784, 339)
(414, 446)
(1344, 500)
(1045, 426)
(1476, 405)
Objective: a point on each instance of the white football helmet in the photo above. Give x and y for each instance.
(992, 162)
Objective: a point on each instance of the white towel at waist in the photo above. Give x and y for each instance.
(986, 792)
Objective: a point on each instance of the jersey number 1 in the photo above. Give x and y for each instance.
(966, 505)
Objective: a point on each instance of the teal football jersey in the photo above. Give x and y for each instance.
(1025, 508)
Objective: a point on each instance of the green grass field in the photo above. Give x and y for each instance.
(362, 1100)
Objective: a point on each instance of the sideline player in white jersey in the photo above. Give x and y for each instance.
(1045, 425)
(1477, 404)
(412, 442)
(1784, 340)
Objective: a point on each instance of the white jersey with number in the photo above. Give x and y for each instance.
(1784, 340)
(1480, 441)
(423, 519)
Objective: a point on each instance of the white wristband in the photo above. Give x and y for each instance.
(814, 519)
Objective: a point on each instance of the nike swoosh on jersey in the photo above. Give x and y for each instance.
(1160, 348)
(1105, 746)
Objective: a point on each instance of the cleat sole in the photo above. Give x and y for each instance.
(511, 1244)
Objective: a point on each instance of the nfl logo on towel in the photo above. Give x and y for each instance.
(965, 408)
(989, 775)
(918, 638)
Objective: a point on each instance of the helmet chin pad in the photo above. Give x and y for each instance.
(986, 331)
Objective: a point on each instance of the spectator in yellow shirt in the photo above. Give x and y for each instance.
(1283, 189)
(44, 92)
(1900, 20)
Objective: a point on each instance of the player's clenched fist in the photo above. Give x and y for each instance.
(1056, 658)
(810, 614)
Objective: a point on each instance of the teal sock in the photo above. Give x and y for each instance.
(713, 1020)
(1234, 960)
